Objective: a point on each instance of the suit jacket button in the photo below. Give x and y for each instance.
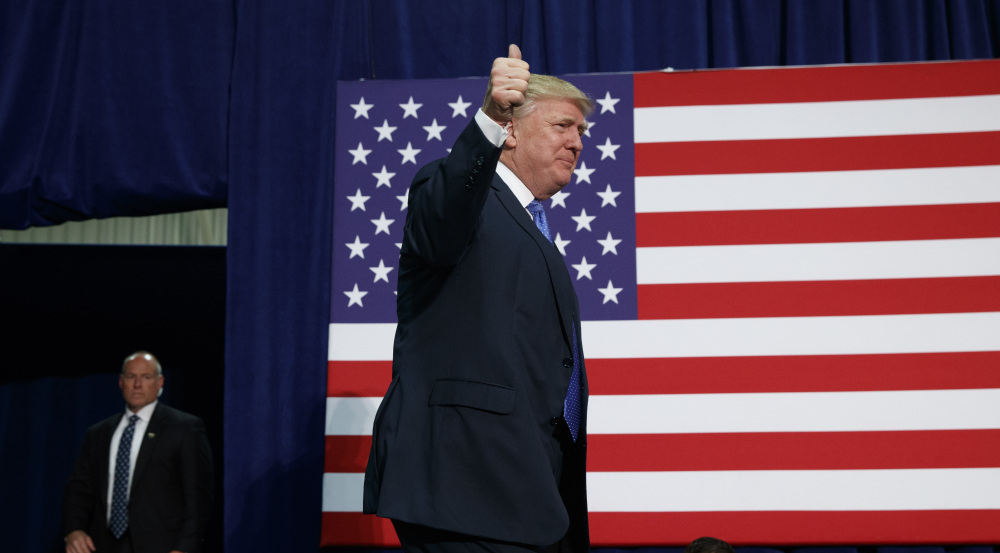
(568, 363)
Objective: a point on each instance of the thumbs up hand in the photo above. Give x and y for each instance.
(508, 85)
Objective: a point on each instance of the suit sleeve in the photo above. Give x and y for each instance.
(447, 198)
(198, 484)
(79, 495)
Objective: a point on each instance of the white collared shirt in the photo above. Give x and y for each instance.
(140, 430)
(497, 135)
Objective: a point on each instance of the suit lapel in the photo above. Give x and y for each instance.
(149, 442)
(104, 458)
(565, 296)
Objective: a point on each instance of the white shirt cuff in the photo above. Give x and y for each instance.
(493, 132)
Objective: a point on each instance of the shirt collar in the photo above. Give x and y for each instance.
(520, 191)
(145, 413)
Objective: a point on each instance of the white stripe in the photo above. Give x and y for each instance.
(759, 490)
(870, 334)
(824, 189)
(825, 261)
(351, 416)
(343, 492)
(818, 119)
(829, 490)
(745, 412)
(792, 336)
(794, 412)
(361, 342)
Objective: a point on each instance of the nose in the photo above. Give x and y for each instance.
(575, 143)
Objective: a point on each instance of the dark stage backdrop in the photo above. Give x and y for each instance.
(124, 108)
(70, 315)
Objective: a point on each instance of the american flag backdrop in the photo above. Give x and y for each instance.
(790, 281)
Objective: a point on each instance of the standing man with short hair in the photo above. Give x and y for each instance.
(480, 442)
(143, 482)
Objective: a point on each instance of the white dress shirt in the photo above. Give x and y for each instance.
(140, 430)
(497, 135)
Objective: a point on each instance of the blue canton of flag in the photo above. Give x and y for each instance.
(387, 130)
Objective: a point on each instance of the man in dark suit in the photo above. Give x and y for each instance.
(143, 482)
(479, 443)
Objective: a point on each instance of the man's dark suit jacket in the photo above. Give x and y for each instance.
(464, 439)
(172, 485)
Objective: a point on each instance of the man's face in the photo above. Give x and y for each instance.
(139, 382)
(546, 146)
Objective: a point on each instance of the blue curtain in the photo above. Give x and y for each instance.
(124, 108)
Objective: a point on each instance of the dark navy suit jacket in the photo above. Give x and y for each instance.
(172, 484)
(466, 437)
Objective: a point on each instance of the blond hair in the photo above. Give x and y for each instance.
(547, 87)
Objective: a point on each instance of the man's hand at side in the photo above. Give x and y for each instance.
(78, 541)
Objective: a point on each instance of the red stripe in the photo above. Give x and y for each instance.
(794, 451)
(797, 527)
(763, 374)
(817, 84)
(357, 378)
(795, 373)
(356, 529)
(819, 298)
(806, 226)
(347, 453)
(817, 154)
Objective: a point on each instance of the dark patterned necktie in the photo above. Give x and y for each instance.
(119, 495)
(538, 214)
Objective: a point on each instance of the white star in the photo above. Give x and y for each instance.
(381, 272)
(610, 293)
(583, 269)
(608, 196)
(590, 125)
(358, 201)
(608, 149)
(360, 154)
(610, 244)
(404, 199)
(561, 244)
(355, 296)
(583, 174)
(385, 131)
(410, 108)
(608, 103)
(459, 107)
(361, 108)
(409, 154)
(382, 224)
(559, 198)
(357, 248)
(384, 177)
(434, 130)
(583, 220)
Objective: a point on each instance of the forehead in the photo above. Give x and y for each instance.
(550, 109)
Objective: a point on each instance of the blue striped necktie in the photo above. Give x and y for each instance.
(119, 495)
(538, 214)
(572, 408)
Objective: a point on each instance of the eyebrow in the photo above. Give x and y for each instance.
(566, 119)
